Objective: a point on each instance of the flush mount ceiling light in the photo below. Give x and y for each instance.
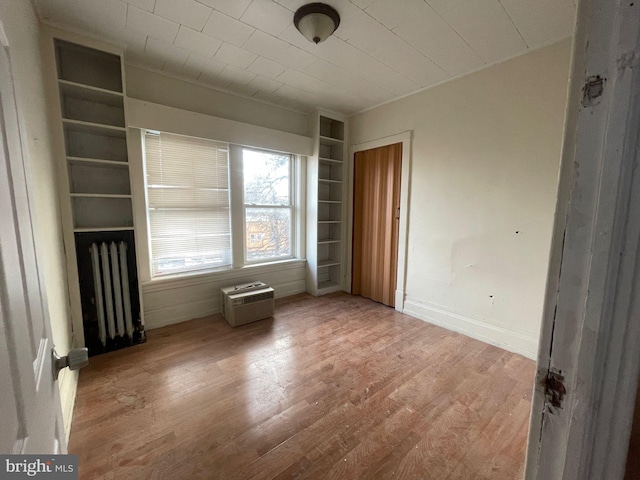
(316, 21)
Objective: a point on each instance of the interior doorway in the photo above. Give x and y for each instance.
(376, 219)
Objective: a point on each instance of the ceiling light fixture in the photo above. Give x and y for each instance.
(316, 21)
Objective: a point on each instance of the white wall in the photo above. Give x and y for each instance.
(23, 30)
(157, 88)
(172, 300)
(485, 159)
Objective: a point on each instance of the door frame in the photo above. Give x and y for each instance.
(588, 359)
(404, 138)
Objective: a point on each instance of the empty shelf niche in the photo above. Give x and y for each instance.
(329, 232)
(331, 152)
(88, 66)
(329, 254)
(331, 129)
(329, 276)
(99, 178)
(90, 105)
(95, 143)
(329, 191)
(101, 212)
(329, 212)
(330, 170)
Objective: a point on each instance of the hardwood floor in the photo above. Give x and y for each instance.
(335, 387)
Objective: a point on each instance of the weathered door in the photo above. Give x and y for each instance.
(31, 420)
(589, 360)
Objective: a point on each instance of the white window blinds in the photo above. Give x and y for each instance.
(188, 203)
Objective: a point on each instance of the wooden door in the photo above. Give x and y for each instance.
(31, 420)
(376, 214)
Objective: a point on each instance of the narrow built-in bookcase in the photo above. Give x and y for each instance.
(98, 209)
(325, 207)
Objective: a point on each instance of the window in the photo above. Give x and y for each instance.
(267, 204)
(202, 214)
(188, 203)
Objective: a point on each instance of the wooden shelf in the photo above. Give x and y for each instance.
(326, 180)
(102, 229)
(330, 161)
(94, 128)
(326, 241)
(328, 287)
(97, 161)
(329, 201)
(328, 263)
(91, 93)
(331, 141)
(99, 195)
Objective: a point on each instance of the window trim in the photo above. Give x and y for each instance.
(298, 211)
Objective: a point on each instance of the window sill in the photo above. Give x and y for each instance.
(198, 278)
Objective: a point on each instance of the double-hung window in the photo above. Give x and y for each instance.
(197, 205)
(267, 204)
(188, 210)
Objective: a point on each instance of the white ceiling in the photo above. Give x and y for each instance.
(383, 49)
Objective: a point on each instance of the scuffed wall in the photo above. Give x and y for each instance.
(485, 159)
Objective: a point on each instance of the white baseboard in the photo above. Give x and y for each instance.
(399, 305)
(68, 386)
(516, 342)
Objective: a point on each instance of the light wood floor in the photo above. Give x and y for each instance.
(335, 387)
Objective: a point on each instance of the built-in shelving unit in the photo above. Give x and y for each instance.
(325, 207)
(99, 207)
(93, 118)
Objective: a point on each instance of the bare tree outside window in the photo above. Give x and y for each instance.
(267, 202)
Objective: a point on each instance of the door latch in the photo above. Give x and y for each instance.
(75, 360)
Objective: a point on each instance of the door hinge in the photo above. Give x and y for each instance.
(554, 389)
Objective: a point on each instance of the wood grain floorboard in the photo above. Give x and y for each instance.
(336, 387)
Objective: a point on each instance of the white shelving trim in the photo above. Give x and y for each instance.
(331, 141)
(84, 86)
(101, 229)
(99, 195)
(98, 161)
(328, 263)
(93, 127)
